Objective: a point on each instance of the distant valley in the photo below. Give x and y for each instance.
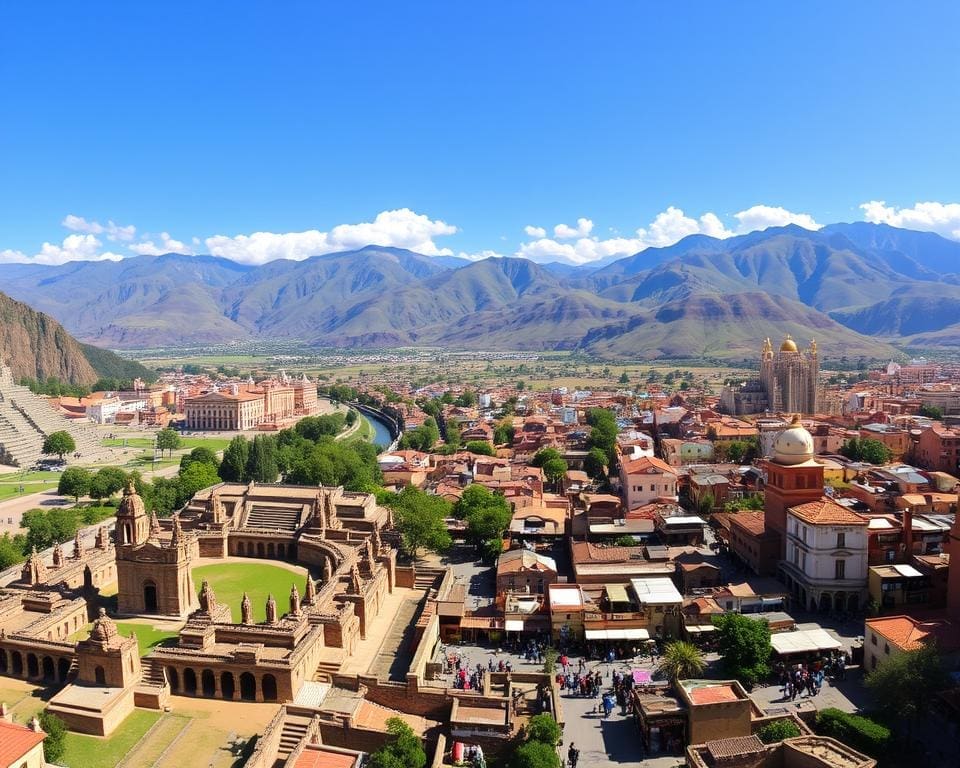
(857, 288)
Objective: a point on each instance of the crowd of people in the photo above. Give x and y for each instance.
(808, 677)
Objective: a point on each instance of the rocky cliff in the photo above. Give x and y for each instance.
(35, 345)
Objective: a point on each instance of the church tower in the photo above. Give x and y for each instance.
(133, 524)
(793, 477)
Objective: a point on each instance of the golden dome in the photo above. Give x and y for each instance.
(789, 345)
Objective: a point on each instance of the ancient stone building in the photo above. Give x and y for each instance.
(153, 568)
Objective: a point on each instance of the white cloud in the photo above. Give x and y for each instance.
(167, 245)
(77, 247)
(400, 228)
(112, 231)
(565, 232)
(942, 218)
(535, 231)
(763, 216)
(668, 227)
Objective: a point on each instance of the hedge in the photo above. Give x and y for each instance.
(861, 733)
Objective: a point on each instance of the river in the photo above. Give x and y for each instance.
(381, 432)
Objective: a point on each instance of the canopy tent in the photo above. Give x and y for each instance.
(617, 634)
(803, 641)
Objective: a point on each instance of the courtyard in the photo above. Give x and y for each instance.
(230, 578)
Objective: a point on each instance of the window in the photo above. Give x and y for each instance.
(886, 648)
(796, 555)
(873, 639)
(841, 540)
(840, 567)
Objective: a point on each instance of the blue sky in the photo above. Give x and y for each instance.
(467, 123)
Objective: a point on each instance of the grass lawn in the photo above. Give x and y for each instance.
(12, 490)
(93, 752)
(148, 637)
(213, 443)
(258, 580)
(31, 477)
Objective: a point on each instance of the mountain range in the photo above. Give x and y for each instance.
(854, 287)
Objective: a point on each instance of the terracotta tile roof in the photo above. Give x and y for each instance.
(734, 747)
(909, 634)
(646, 463)
(318, 757)
(16, 741)
(584, 551)
(752, 522)
(827, 512)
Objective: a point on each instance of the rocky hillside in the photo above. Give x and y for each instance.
(37, 346)
(856, 287)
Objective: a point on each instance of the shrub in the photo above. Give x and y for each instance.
(859, 732)
(54, 744)
(543, 728)
(778, 730)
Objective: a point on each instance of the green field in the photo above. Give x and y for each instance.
(147, 636)
(257, 579)
(186, 443)
(12, 490)
(92, 752)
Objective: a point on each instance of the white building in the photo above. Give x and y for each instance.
(646, 480)
(826, 556)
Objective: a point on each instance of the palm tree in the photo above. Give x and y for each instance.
(681, 660)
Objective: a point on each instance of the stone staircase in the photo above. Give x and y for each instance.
(26, 419)
(273, 518)
(426, 578)
(293, 732)
(152, 673)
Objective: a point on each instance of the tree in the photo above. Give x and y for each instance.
(550, 655)
(54, 744)
(466, 400)
(59, 443)
(543, 728)
(744, 645)
(681, 660)
(421, 519)
(931, 412)
(534, 754)
(554, 470)
(46, 527)
(904, 685)
(200, 454)
(504, 432)
(603, 433)
(544, 455)
(487, 514)
(168, 440)
(866, 449)
(106, 482)
(195, 478)
(479, 447)
(74, 481)
(262, 462)
(233, 467)
(596, 463)
(11, 550)
(706, 503)
(624, 379)
(165, 495)
(777, 731)
(404, 751)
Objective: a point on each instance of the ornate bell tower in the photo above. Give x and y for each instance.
(133, 525)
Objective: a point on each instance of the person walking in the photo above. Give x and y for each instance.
(573, 755)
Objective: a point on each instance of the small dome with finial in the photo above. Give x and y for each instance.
(794, 445)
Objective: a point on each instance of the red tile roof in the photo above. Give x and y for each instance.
(827, 512)
(646, 463)
(318, 757)
(16, 741)
(713, 694)
(909, 634)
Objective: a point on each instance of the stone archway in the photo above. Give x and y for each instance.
(173, 677)
(189, 682)
(49, 670)
(260, 549)
(853, 602)
(268, 684)
(100, 676)
(63, 669)
(150, 598)
(208, 683)
(248, 687)
(227, 685)
(16, 663)
(271, 552)
(33, 666)
(281, 551)
(4, 661)
(826, 602)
